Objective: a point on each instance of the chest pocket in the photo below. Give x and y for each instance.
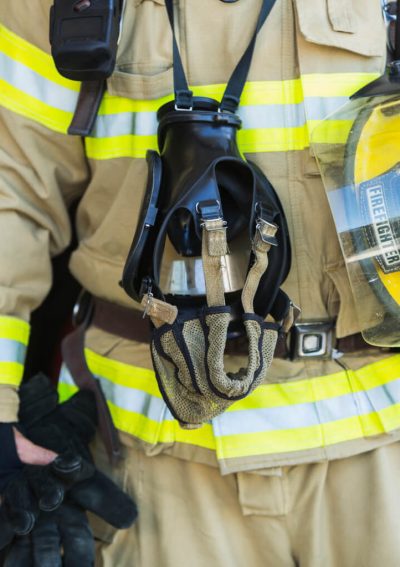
(341, 46)
(352, 25)
(144, 61)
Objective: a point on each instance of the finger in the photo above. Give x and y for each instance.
(30, 453)
(20, 553)
(104, 498)
(71, 468)
(48, 490)
(20, 506)
(76, 535)
(46, 541)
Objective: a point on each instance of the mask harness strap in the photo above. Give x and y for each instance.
(231, 98)
(214, 240)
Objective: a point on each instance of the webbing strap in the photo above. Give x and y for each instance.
(73, 355)
(257, 270)
(213, 247)
(231, 98)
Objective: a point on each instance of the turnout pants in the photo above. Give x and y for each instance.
(342, 513)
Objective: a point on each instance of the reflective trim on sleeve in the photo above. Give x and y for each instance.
(276, 418)
(14, 336)
(30, 56)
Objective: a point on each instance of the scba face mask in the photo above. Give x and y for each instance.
(205, 200)
(361, 173)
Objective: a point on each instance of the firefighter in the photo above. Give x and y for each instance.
(303, 468)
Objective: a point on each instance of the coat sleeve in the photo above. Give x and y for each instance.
(42, 171)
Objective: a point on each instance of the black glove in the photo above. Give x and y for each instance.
(62, 537)
(27, 489)
(66, 429)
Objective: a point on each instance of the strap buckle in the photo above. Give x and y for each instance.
(83, 309)
(313, 339)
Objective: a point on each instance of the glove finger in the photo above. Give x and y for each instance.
(38, 398)
(48, 490)
(104, 498)
(76, 535)
(20, 553)
(20, 506)
(46, 541)
(6, 530)
(72, 468)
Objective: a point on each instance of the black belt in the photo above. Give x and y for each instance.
(305, 340)
(314, 339)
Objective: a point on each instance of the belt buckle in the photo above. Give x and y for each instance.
(313, 339)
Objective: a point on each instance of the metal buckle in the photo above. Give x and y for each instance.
(83, 308)
(314, 339)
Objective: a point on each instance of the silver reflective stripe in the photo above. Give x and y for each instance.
(261, 419)
(12, 351)
(307, 415)
(272, 116)
(29, 82)
(128, 399)
(124, 124)
(320, 108)
(253, 117)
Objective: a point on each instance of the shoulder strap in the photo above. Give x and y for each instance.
(231, 98)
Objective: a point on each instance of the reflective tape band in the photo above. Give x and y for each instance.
(135, 410)
(275, 418)
(277, 115)
(14, 336)
(25, 105)
(33, 58)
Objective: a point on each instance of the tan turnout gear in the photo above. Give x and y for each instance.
(309, 58)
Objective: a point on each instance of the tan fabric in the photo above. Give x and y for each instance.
(41, 172)
(339, 514)
(9, 404)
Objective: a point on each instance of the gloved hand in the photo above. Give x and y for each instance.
(62, 537)
(32, 494)
(33, 488)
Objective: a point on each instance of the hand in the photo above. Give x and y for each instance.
(57, 440)
(31, 454)
(66, 529)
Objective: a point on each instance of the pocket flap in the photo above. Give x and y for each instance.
(354, 25)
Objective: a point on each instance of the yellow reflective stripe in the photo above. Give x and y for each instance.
(306, 438)
(112, 104)
(250, 141)
(273, 139)
(335, 84)
(123, 374)
(65, 391)
(14, 329)
(354, 405)
(152, 432)
(323, 387)
(136, 424)
(330, 131)
(14, 336)
(28, 54)
(120, 146)
(256, 92)
(30, 107)
(11, 373)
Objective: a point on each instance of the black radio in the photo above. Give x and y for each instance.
(84, 37)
